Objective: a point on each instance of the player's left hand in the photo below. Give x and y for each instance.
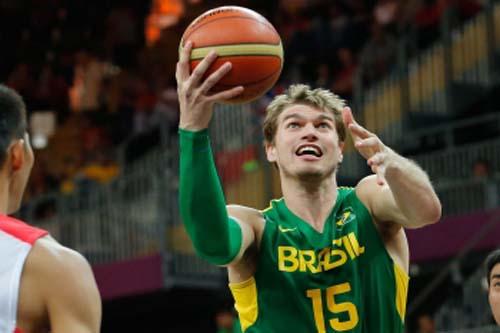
(369, 145)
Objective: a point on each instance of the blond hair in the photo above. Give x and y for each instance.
(303, 94)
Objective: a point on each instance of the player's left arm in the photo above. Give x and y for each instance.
(401, 191)
(70, 292)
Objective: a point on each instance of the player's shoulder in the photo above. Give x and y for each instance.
(245, 214)
(51, 261)
(243, 211)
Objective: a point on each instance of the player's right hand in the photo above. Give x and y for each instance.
(196, 106)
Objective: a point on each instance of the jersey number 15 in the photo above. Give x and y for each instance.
(333, 307)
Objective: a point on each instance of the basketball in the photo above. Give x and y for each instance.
(244, 38)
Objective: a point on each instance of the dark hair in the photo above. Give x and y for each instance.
(490, 262)
(12, 119)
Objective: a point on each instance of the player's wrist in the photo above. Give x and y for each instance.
(192, 132)
(192, 127)
(193, 141)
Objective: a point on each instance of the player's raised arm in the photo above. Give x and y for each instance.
(216, 237)
(401, 191)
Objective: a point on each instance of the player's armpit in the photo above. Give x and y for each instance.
(69, 290)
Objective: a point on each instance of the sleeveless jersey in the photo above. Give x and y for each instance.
(16, 240)
(340, 280)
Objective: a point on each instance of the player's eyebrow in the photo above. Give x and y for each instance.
(495, 276)
(299, 116)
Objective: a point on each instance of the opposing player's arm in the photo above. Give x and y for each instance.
(69, 290)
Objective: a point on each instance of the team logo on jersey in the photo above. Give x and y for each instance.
(347, 217)
(283, 229)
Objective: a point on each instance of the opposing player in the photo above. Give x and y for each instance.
(44, 287)
(323, 258)
(493, 276)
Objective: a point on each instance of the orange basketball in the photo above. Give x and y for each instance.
(244, 38)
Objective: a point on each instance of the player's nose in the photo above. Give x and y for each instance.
(309, 132)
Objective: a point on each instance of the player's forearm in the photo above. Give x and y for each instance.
(412, 191)
(215, 237)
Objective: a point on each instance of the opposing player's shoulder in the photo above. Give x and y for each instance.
(47, 251)
(66, 286)
(57, 266)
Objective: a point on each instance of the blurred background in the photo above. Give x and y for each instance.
(98, 79)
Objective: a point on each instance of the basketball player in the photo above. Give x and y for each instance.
(43, 285)
(323, 258)
(493, 276)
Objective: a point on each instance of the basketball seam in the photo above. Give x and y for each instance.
(230, 17)
(205, 50)
(243, 55)
(251, 82)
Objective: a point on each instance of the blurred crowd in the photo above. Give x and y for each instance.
(91, 66)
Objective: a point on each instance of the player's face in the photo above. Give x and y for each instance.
(494, 292)
(306, 143)
(20, 176)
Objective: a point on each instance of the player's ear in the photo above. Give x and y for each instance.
(341, 146)
(16, 155)
(270, 151)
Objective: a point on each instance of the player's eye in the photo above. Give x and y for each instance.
(324, 125)
(293, 124)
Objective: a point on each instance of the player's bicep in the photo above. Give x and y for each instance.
(247, 239)
(243, 216)
(73, 302)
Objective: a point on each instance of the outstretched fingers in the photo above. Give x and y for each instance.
(370, 142)
(215, 77)
(201, 69)
(360, 131)
(226, 94)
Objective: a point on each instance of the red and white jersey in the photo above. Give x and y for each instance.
(16, 240)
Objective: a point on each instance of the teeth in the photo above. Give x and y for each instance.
(309, 149)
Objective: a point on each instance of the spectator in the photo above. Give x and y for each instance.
(323, 76)
(89, 73)
(122, 36)
(493, 277)
(102, 169)
(385, 13)
(379, 54)
(427, 18)
(22, 81)
(344, 79)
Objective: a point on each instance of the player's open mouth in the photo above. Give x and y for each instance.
(309, 149)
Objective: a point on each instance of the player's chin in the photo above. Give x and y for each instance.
(311, 173)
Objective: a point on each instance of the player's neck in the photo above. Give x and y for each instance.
(312, 203)
(4, 197)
